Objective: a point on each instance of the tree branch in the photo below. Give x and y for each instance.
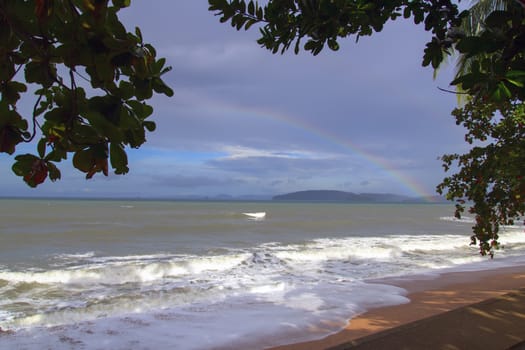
(453, 92)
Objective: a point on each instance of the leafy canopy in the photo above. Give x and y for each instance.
(323, 22)
(490, 176)
(91, 78)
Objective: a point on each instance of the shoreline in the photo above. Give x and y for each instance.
(431, 299)
(430, 296)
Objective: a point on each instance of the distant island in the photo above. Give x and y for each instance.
(307, 196)
(341, 196)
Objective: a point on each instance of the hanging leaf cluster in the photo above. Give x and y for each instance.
(90, 78)
(491, 177)
(320, 23)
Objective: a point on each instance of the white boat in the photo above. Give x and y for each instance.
(256, 215)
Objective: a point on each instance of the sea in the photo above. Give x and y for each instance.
(151, 274)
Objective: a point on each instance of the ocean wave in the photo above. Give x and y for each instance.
(126, 270)
(463, 219)
(150, 268)
(295, 275)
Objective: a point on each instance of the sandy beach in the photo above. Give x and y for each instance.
(458, 310)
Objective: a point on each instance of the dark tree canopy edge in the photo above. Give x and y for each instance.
(58, 46)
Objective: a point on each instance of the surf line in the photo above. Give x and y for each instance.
(408, 182)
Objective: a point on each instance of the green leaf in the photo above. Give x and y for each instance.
(515, 82)
(418, 16)
(23, 164)
(406, 12)
(310, 45)
(217, 5)
(156, 67)
(85, 134)
(128, 119)
(103, 126)
(249, 23)
(516, 77)
(437, 59)
(149, 125)
(143, 89)
(126, 90)
(38, 73)
(10, 136)
(10, 91)
(54, 172)
(55, 156)
(242, 6)
(501, 92)
(160, 87)
(33, 169)
(138, 33)
(333, 45)
(42, 147)
(104, 68)
(498, 18)
(433, 54)
(151, 50)
(118, 158)
(471, 45)
(515, 74)
(467, 80)
(83, 160)
(141, 110)
(121, 3)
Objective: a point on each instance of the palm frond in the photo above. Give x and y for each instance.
(473, 25)
(479, 11)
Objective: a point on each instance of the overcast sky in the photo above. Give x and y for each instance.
(367, 118)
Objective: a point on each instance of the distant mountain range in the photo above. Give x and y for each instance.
(341, 196)
(321, 195)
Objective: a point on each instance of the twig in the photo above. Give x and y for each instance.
(453, 92)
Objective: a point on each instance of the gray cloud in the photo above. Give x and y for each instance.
(245, 121)
(276, 166)
(178, 181)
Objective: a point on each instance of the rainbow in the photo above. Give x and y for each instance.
(412, 185)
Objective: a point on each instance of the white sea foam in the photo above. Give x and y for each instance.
(463, 219)
(75, 256)
(256, 215)
(132, 257)
(291, 310)
(268, 288)
(126, 270)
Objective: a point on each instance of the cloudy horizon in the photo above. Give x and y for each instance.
(365, 119)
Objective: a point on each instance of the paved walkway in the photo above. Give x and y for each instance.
(493, 324)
